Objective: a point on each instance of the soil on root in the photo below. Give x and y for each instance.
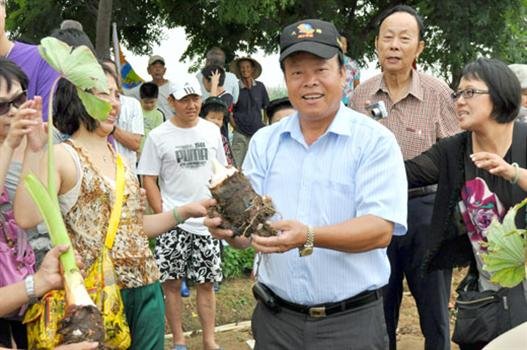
(82, 323)
(242, 210)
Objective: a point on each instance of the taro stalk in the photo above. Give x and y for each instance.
(82, 321)
(506, 250)
(242, 210)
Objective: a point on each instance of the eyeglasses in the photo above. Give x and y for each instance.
(16, 102)
(467, 93)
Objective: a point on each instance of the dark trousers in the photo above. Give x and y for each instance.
(431, 291)
(14, 329)
(362, 328)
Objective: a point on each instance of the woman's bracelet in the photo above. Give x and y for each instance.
(175, 214)
(516, 173)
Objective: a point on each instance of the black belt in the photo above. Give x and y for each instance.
(324, 310)
(421, 191)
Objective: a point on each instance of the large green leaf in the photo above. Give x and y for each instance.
(505, 257)
(80, 67)
(93, 105)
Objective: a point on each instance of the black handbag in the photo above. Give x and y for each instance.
(482, 316)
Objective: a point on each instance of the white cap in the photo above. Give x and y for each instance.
(521, 72)
(185, 87)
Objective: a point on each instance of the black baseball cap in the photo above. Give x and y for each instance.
(213, 100)
(317, 37)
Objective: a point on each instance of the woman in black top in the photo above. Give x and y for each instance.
(480, 173)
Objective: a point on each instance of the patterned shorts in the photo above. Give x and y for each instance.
(181, 254)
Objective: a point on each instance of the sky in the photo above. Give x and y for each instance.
(175, 44)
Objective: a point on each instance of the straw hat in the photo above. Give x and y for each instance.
(234, 67)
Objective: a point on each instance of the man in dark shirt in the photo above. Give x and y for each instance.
(253, 99)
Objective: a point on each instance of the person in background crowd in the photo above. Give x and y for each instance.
(41, 75)
(352, 72)
(73, 37)
(157, 70)
(71, 24)
(213, 80)
(128, 130)
(420, 112)
(215, 111)
(278, 109)
(216, 56)
(176, 168)
(248, 111)
(520, 70)
(478, 180)
(326, 169)
(152, 116)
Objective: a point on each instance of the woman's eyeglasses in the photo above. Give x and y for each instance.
(467, 93)
(17, 101)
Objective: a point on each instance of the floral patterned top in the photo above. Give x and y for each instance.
(352, 74)
(87, 223)
(479, 206)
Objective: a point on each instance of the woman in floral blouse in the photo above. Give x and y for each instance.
(85, 172)
(480, 174)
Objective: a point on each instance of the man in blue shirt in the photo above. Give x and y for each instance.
(337, 179)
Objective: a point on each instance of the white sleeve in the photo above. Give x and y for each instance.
(150, 162)
(137, 119)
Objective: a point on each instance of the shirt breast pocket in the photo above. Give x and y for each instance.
(335, 199)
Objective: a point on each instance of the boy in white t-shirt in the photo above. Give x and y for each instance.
(178, 154)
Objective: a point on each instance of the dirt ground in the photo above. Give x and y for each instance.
(235, 304)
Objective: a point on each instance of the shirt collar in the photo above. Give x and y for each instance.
(242, 85)
(338, 126)
(415, 85)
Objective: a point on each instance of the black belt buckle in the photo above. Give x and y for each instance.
(264, 295)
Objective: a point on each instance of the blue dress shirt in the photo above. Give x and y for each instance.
(354, 169)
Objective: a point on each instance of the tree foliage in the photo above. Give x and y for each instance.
(457, 31)
(138, 21)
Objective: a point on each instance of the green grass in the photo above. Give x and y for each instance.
(277, 92)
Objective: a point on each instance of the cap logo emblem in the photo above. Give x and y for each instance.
(189, 90)
(306, 30)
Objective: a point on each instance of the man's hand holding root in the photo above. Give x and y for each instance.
(291, 234)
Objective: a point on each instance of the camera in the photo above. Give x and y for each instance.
(377, 110)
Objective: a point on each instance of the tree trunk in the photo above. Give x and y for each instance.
(102, 38)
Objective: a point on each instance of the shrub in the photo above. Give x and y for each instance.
(237, 262)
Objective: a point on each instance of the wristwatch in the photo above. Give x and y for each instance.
(29, 283)
(307, 248)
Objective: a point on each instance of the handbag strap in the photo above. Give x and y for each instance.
(115, 214)
(519, 155)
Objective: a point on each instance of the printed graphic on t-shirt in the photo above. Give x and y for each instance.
(192, 156)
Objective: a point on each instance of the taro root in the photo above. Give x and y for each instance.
(242, 210)
(82, 323)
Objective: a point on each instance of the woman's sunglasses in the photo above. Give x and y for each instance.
(16, 102)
